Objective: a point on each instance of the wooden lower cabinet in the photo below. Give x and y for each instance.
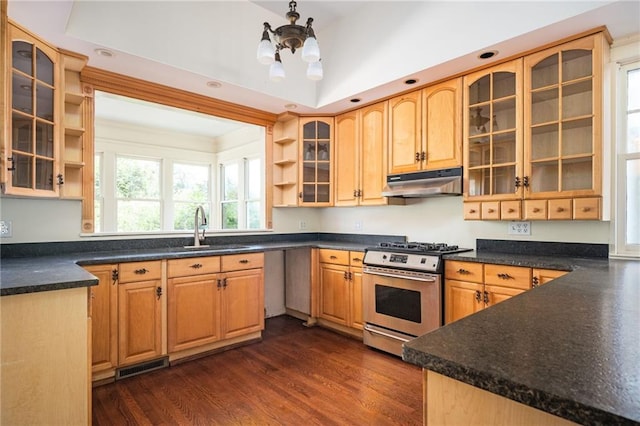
(340, 288)
(139, 321)
(471, 287)
(104, 318)
(242, 304)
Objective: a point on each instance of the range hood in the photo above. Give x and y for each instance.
(429, 183)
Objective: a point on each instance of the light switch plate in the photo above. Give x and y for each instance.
(5, 229)
(519, 228)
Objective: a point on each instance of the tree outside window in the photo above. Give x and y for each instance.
(137, 194)
(229, 202)
(190, 189)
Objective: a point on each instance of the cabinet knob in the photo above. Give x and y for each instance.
(462, 271)
(511, 210)
(332, 257)
(196, 265)
(472, 210)
(357, 259)
(586, 209)
(490, 210)
(141, 271)
(504, 276)
(560, 209)
(243, 261)
(536, 210)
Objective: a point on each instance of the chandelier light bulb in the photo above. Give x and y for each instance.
(311, 50)
(314, 71)
(276, 71)
(266, 53)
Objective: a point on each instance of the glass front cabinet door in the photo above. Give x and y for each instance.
(316, 161)
(32, 144)
(563, 114)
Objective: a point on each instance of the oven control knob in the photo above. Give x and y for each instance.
(384, 257)
(423, 260)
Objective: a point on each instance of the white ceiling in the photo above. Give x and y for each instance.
(368, 47)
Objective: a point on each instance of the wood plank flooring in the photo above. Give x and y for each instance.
(295, 376)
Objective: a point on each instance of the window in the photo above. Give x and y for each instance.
(154, 166)
(628, 162)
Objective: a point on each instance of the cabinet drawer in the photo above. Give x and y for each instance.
(508, 276)
(535, 209)
(491, 210)
(463, 271)
(586, 208)
(560, 209)
(355, 258)
(510, 210)
(472, 211)
(340, 257)
(237, 262)
(139, 271)
(193, 266)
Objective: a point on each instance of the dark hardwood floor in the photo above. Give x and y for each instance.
(295, 376)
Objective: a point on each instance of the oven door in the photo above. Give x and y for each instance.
(407, 305)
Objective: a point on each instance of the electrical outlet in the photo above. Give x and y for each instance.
(302, 224)
(519, 228)
(358, 225)
(5, 229)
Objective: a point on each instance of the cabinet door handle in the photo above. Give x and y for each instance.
(196, 266)
(60, 179)
(478, 296)
(346, 275)
(114, 276)
(13, 164)
(219, 283)
(417, 157)
(158, 292)
(141, 271)
(517, 183)
(224, 283)
(486, 298)
(535, 282)
(423, 156)
(525, 181)
(243, 261)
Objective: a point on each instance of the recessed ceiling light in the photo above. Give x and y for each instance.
(291, 106)
(411, 81)
(214, 84)
(488, 54)
(355, 100)
(104, 52)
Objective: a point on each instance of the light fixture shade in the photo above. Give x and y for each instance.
(266, 53)
(314, 71)
(276, 72)
(311, 50)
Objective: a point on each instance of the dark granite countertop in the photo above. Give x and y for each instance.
(570, 347)
(29, 268)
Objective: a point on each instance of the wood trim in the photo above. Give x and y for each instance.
(153, 92)
(4, 91)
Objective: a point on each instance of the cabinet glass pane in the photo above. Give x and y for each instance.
(577, 173)
(309, 130)
(22, 175)
(44, 67)
(544, 142)
(309, 193)
(309, 172)
(44, 102)
(44, 139)
(504, 115)
(577, 137)
(544, 176)
(44, 174)
(479, 181)
(323, 172)
(544, 106)
(22, 93)
(504, 84)
(504, 148)
(504, 180)
(22, 53)
(577, 99)
(479, 151)
(309, 150)
(479, 91)
(323, 130)
(479, 120)
(22, 133)
(323, 151)
(576, 64)
(323, 193)
(545, 73)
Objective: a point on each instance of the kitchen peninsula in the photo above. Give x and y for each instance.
(569, 350)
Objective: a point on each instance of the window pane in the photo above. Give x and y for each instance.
(230, 215)
(253, 215)
(190, 183)
(184, 215)
(254, 179)
(633, 89)
(137, 178)
(633, 201)
(97, 193)
(136, 216)
(633, 132)
(230, 180)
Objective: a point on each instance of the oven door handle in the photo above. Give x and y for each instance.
(382, 333)
(405, 277)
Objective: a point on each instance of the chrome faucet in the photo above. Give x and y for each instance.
(196, 226)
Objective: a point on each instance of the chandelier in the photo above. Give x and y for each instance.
(291, 37)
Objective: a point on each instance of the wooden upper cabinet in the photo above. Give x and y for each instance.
(360, 159)
(563, 119)
(405, 142)
(31, 163)
(442, 125)
(316, 171)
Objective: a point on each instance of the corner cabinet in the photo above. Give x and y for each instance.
(533, 135)
(361, 156)
(285, 161)
(31, 150)
(316, 159)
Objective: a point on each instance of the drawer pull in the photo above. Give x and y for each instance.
(536, 210)
(560, 209)
(141, 271)
(472, 211)
(243, 261)
(196, 266)
(511, 210)
(505, 276)
(586, 209)
(463, 271)
(332, 257)
(490, 210)
(357, 259)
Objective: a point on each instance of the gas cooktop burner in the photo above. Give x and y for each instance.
(418, 247)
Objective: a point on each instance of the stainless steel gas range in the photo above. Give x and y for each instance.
(402, 292)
